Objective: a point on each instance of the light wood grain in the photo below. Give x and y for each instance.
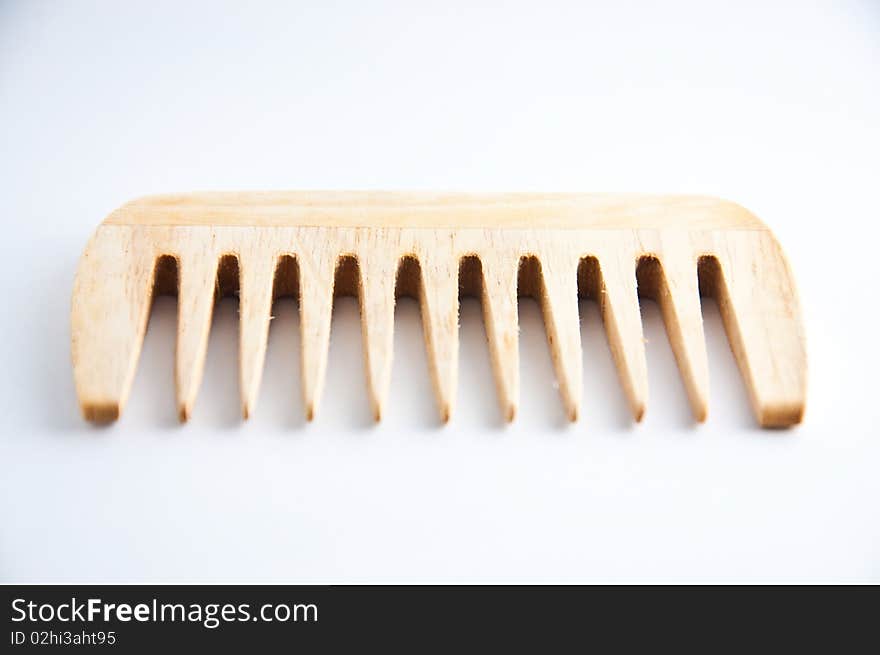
(376, 245)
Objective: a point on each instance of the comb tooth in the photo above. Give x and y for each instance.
(440, 318)
(255, 307)
(316, 313)
(502, 326)
(195, 303)
(679, 299)
(619, 303)
(559, 304)
(377, 322)
(110, 307)
(760, 309)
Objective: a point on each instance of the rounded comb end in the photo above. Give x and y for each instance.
(781, 415)
(101, 412)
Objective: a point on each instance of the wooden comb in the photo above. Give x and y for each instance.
(436, 246)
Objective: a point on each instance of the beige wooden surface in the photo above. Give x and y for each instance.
(379, 245)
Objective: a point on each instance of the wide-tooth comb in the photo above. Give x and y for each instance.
(436, 246)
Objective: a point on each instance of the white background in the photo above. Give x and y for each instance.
(773, 104)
